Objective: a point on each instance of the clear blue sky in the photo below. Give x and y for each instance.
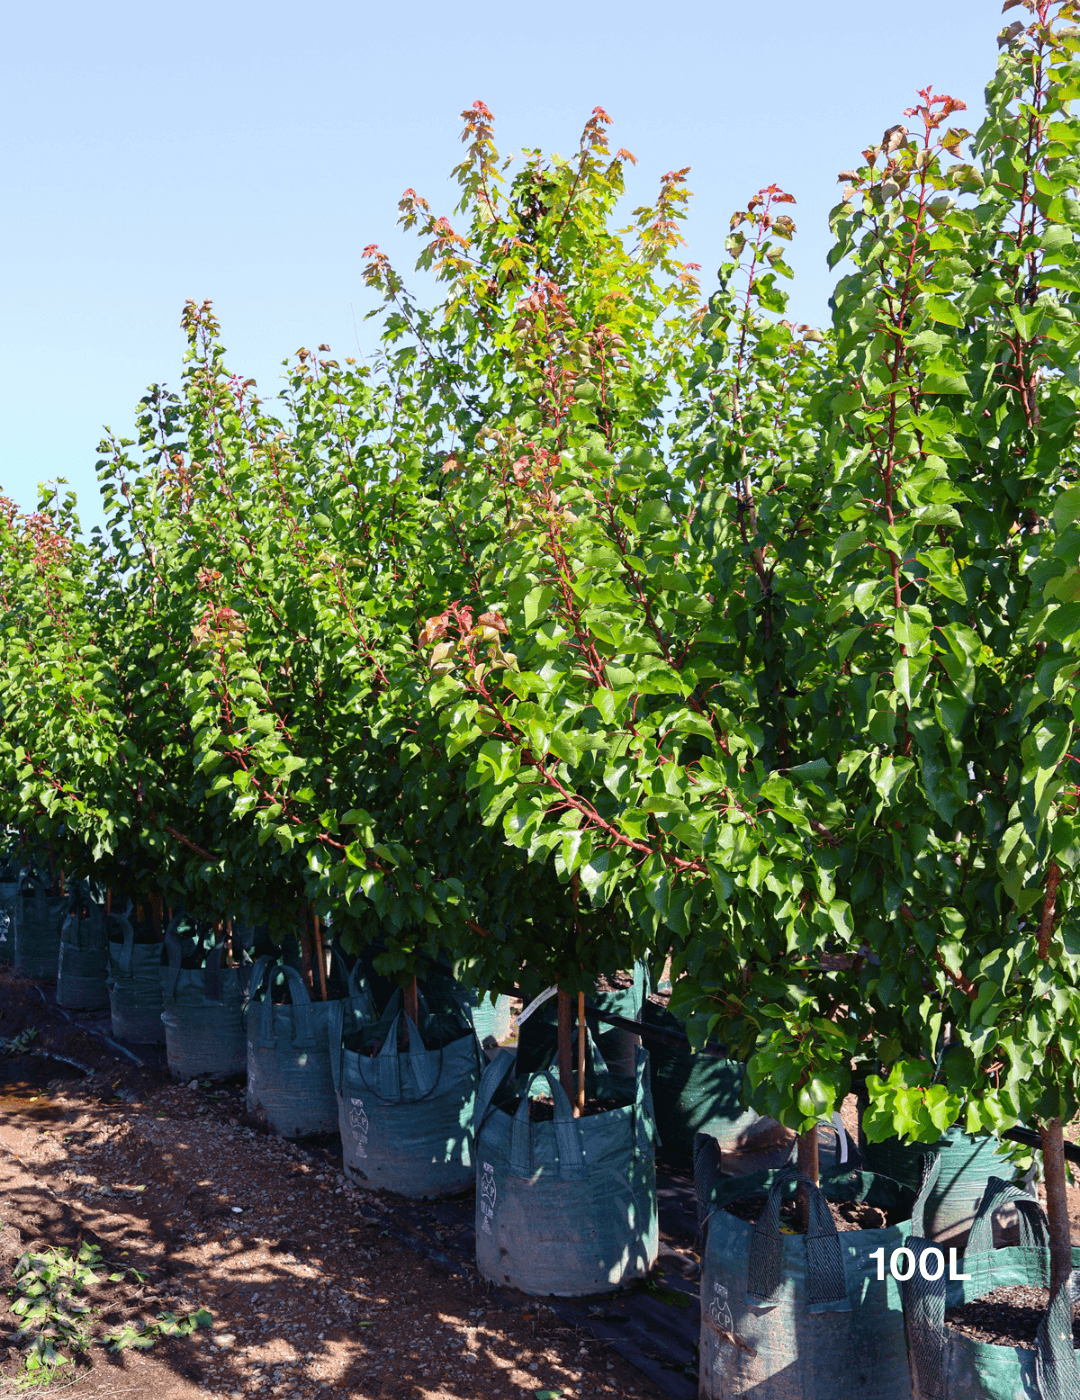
(248, 152)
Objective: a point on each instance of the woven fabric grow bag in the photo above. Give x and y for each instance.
(289, 1075)
(38, 919)
(965, 1165)
(405, 1117)
(134, 984)
(945, 1365)
(566, 1207)
(538, 1037)
(9, 893)
(203, 1012)
(798, 1315)
(490, 1014)
(83, 968)
(699, 1093)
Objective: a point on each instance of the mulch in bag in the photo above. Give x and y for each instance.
(38, 919)
(83, 967)
(804, 1315)
(289, 1075)
(566, 1206)
(946, 1364)
(134, 980)
(203, 1005)
(406, 1096)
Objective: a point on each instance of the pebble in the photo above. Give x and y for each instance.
(225, 1339)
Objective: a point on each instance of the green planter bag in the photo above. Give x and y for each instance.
(699, 1094)
(948, 1366)
(134, 984)
(203, 1010)
(537, 1038)
(566, 1207)
(406, 1117)
(490, 1015)
(38, 919)
(9, 893)
(965, 1165)
(83, 968)
(786, 1315)
(289, 1075)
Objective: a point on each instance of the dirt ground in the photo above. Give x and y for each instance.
(310, 1292)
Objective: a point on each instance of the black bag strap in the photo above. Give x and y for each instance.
(826, 1282)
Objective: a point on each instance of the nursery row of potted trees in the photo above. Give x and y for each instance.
(491, 654)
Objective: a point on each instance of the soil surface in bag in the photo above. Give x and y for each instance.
(848, 1215)
(1008, 1317)
(542, 1109)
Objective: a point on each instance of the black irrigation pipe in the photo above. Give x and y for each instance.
(1032, 1139)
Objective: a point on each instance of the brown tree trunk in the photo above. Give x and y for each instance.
(320, 956)
(1057, 1206)
(412, 1007)
(806, 1163)
(580, 1103)
(566, 1044)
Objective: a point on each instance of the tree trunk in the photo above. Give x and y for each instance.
(806, 1163)
(320, 956)
(412, 1007)
(1057, 1208)
(580, 1108)
(566, 1044)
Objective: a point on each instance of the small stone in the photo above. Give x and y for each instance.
(533, 1366)
(237, 1210)
(224, 1339)
(193, 1084)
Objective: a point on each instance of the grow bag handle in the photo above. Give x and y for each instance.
(32, 883)
(174, 947)
(1034, 1226)
(388, 1065)
(826, 1283)
(365, 1012)
(303, 1030)
(568, 1146)
(495, 1073)
(1056, 1370)
(127, 933)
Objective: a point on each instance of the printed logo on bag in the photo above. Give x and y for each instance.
(487, 1196)
(720, 1309)
(358, 1121)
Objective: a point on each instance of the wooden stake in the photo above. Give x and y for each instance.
(566, 1044)
(320, 956)
(579, 1107)
(1057, 1206)
(108, 900)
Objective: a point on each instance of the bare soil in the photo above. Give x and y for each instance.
(312, 1292)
